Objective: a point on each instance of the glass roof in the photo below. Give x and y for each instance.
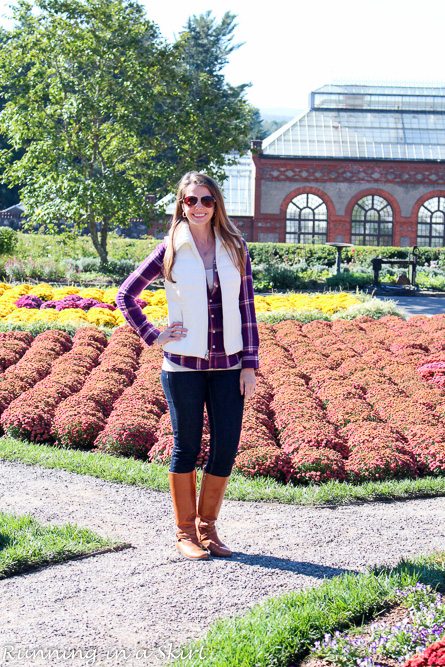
(374, 122)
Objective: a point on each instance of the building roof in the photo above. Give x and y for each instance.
(367, 122)
(16, 209)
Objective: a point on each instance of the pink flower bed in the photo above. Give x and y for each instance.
(31, 415)
(132, 427)
(79, 420)
(33, 366)
(13, 345)
(357, 400)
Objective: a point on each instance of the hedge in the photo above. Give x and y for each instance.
(290, 253)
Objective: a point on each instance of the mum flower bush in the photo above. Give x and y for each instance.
(33, 366)
(72, 305)
(31, 414)
(80, 419)
(23, 303)
(311, 465)
(13, 345)
(132, 427)
(265, 461)
(343, 399)
(433, 656)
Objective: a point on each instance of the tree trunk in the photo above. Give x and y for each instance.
(104, 237)
(101, 248)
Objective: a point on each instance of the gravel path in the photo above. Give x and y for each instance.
(146, 600)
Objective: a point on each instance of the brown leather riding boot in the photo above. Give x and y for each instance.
(211, 496)
(183, 490)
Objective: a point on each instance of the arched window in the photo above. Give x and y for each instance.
(431, 223)
(372, 221)
(307, 220)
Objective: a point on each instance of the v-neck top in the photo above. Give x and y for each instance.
(151, 269)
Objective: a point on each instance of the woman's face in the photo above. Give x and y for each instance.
(198, 215)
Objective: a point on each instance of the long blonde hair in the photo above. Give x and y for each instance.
(222, 225)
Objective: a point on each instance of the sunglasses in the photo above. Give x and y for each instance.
(207, 201)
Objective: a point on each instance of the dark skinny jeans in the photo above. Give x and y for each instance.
(187, 393)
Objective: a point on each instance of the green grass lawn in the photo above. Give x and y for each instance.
(261, 489)
(281, 631)
(26, 544)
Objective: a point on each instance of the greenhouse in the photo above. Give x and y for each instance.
(364, 164)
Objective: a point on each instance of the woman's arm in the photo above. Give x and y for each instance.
(150, 269)
(249, 328)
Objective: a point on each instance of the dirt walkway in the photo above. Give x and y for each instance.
(146, 601)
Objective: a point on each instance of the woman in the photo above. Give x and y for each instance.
(210, 350)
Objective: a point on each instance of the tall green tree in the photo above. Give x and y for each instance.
(207, 44)
(223, 113)
(8, 196)
(105, 113)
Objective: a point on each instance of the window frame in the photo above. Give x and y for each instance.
(375, 236)
(302, 229)
(431, 224)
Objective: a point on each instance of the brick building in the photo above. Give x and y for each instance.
(365, 164)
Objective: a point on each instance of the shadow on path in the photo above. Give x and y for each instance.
(299, 567)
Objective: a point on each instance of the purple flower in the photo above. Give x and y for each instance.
(106, 305)
(28, 301)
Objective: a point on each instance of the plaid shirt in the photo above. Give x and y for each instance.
(152, 268)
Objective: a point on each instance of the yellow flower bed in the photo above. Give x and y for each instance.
(92, 293)
(43, 291)
(327, 303)
(109, 296)
(101, 317)
(156, 304)
(156, 308)
(72, 315)
(46, 315)
(19, 315)
(61, 292)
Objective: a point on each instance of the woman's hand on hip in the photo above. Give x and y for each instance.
(174, 331)
(247, 382)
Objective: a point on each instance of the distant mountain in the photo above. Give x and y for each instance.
(280, 114)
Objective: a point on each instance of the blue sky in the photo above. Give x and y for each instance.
(292, 49)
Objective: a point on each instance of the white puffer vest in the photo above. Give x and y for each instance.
(187, 297)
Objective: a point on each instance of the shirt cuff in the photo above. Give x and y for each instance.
(249, 361)
(151, 336)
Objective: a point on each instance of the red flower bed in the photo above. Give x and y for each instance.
(264, 461)
(433, 656)
(258, 427)
(31, 415)
(319, 434)
(79, 420)
(33, 366)
(314, 466)
(13, 345)
(132, 427)
(342, 411)
(340, 398)
(378, 462)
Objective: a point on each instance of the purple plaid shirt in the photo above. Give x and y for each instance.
(152, 268)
